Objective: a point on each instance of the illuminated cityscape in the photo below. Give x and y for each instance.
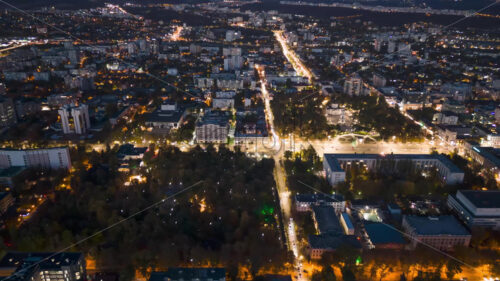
(266, 140)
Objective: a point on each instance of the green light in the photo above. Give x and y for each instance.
(266, 210)
(358, 260)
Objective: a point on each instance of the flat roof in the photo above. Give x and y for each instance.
(381, 233)
(332, 241)
(53, 260)
(332, 159)
(313, 198)
(11, 171)
(489, 153)
(440, 225)
(273, 277)
(327, 220)
(188, 273)
(347, 220)
(34, 149)
(130, 149)
(482, 198)
(164, 116)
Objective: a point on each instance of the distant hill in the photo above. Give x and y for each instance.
(393, 19)
(85, 4)
(59, 4)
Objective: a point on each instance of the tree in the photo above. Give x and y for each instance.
(495, 268)
(327, 274)
(209, 223)
(316, 276)
(347, 274)
(452, 268)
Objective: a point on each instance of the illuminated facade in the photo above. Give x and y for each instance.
(48, 158)
(81, 119)
(477, 207)
(334, 165)
(43, 266)
(442, 232)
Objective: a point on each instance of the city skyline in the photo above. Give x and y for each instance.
(250, 140)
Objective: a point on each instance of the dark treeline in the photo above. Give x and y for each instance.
(223, 221)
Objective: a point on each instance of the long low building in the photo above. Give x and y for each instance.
(383, 236)
(487, 157)
(21, 266)
(48, 158)
(189, 274)
(442, 232)
(334, 165)
(323, 243)
(305, 202)
(477, 207)
(330, 233)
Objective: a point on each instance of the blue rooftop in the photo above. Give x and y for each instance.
(327, 220)
(347, 221)
(381, 233)
(441, 225)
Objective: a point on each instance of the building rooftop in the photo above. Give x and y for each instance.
(332, 241)
(482, 198)
(332, 159)
(3, 194)
(59, 259)
(313, 198)
(326, 219)
(347, 220)
(277, 277)
(181, 273)
(441, 225)
(490, 153)
(11, 171)
(34, 149)
(381, 233)
(164, 116)
(23, 265)
(214, 118)
(130, 149)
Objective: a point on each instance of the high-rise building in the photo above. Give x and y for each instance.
(232, 35)
(377, 44)
(379, 80)
(155, 46)
(131, 48)
(7, 112)
(231, 51)
(2, 89)
(65, 115)
(212, 128)
(391, 46)
(404, 49)
(81, 119)
(353, 86)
